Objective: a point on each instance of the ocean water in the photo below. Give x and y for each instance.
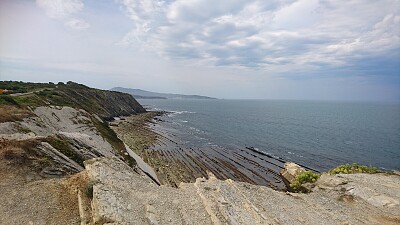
(320, 135)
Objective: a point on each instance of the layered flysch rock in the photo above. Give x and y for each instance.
(64, 135)
(106, 104)
(120, 196)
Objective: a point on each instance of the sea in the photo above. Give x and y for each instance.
(319, 134)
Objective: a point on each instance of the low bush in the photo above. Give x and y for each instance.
(305, 177)
(7, 100)
(354, 168)
(89, 189)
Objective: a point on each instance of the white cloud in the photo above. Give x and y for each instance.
(59, 9)
(145, 14)
(261, 34)
(64, 10)
(77, 24)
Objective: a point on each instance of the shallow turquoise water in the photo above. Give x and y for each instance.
(318, 134)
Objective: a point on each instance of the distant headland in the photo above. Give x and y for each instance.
(142, 94)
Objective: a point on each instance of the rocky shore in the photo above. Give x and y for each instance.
(174, 162)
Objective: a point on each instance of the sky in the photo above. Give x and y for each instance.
(238, 49)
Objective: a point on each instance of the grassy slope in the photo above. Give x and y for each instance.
(106, 104)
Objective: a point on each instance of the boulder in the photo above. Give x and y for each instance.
(289, 173)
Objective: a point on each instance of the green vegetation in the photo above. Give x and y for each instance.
(17, 103)
(64, 147)
(48, 93)
(354, 168)
(45, 161)
(28, 100)
(106, 104)
(107, 133)
(305, 177)
(7, 100)
(131, 161)
(89, 189)
(112, 138)
(22, 87)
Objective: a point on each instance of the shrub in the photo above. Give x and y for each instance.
(354, 168)
(89, 189)
(131, 161)
(7, 100)
(305, 177)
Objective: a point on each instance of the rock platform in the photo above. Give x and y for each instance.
(121, 196)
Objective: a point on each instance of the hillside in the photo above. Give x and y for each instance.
(142, 94)
(106, 104)
(47, 131)
(64, 123)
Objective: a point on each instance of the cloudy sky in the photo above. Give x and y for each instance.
(309, 49)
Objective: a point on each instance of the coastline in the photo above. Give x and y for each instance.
(138, 135)
(173, 162)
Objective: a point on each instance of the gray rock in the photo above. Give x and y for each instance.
(124, 197)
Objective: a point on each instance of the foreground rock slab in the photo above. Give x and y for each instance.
(121, 196)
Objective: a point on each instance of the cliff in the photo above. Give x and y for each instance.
(57, 127)
(106, 104)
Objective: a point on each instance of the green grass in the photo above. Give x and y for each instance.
(95, 101)
(28, 100)
(354, 168)
(48, 93)
(21, 101)
(107, 133)
(7, 100)
(23, 87)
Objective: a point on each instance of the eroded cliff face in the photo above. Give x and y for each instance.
(106, 104)
(46, 133)
(62, 125)
(58, 139)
